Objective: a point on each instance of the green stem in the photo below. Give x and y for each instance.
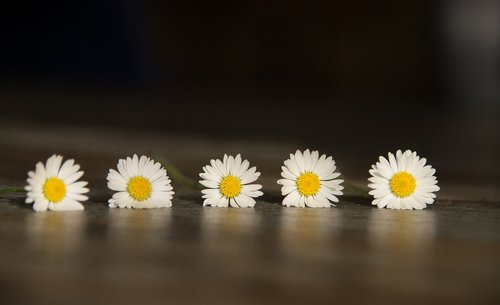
(177, 175)
(11, 190)
(355, 189)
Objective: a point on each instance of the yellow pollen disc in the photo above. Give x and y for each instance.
(230, 186)
(403, 184)
(54, 189)
(308, 184)
(139, 188)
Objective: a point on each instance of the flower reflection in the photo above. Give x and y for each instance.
(401, 232)
(139, 228)
(401, 244)
(55, 233)
(229, 231)
(310, 232)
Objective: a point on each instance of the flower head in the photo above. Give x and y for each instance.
(55, 187)
(310, 180)
(228, 182)
(139, 183)
(403, 182)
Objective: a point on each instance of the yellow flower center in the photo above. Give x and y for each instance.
(230, 186)
(139, 188)
(54, 189)
(308, 184)
(403, 184)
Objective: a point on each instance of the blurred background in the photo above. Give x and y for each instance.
(333, 75)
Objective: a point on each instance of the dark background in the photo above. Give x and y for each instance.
(358, 78)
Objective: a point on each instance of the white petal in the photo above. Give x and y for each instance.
(384, 165)
(320, 164)
(77, 187)
(393, 163)
(73, 177)
(377, 193)
(40, 204)
(151, 168)
(208, 176)
(143, 160)
(314, 160)
(328, 167)
(285, 190)
(378, 180)
(230, 165)
(250, 176)
(329, 177)
(287, 182)
(292, 166)
(40, 171)
(287, 173)
(333, 184)
(66, 205)
(251, 187)
(244, 201)
(116, 176)
(399, 161)
(135, 164)
(291, 199)
(233, 203)
(299, 160)
(236, 165)
(122, 169)
(223, 202)
(243, 168)
(384, 200)
(117, 186)
(307, 160)
(66, 169)
(208, 183)
(253, 194)
(210, 191)
(329, 195)
(77, 197)
(302, 202)
(52, 165)
(428, 189)
(221, 167)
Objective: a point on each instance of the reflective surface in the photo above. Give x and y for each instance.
(189, 254)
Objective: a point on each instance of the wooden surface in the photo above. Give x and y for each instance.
(188, 254)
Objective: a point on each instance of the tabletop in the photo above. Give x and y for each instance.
(189, 254)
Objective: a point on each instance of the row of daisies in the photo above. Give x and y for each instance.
(401, 181)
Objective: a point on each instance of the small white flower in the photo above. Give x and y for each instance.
(55, 187)
(403, 182)
(309, 180)
(228, 181)
(140, 183)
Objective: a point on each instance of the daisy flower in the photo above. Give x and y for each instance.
(228, 181)
(309, 180)
(140, 183)
(55, 186)
(403, 182)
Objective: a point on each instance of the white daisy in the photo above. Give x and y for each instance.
(403, 182)
(309, 180)
(228, 183)
(55, 187)
(140, 183)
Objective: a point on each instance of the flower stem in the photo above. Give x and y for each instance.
(10, 190)
(177, 175)
(355, 189)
